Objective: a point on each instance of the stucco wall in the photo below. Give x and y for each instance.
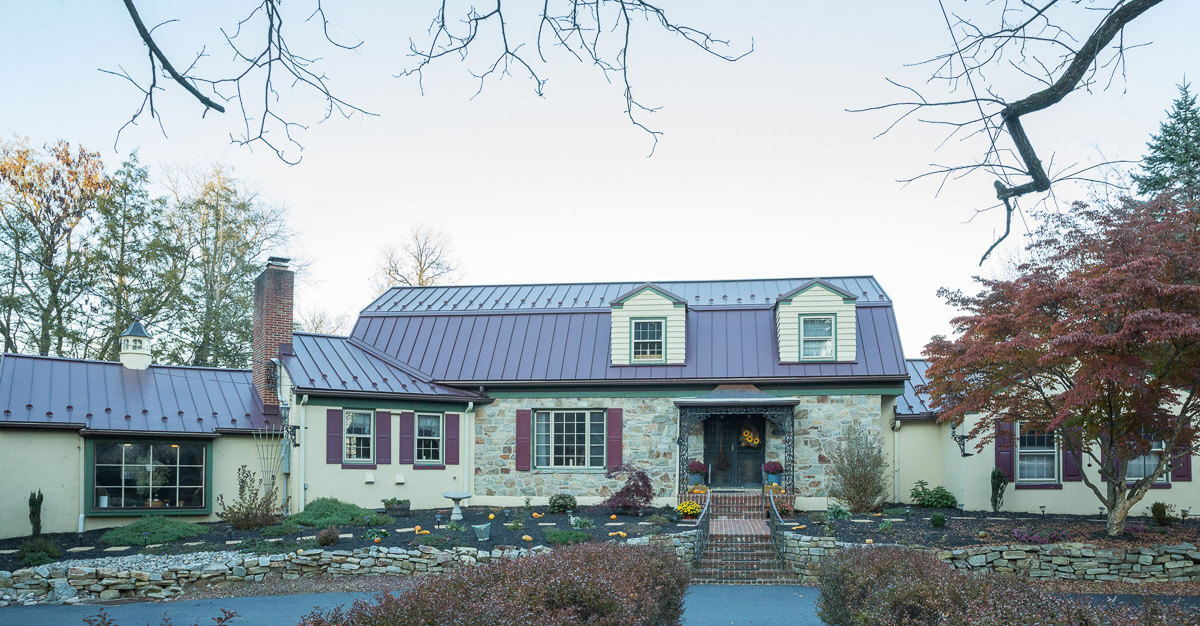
(58, 473)
(916, 452)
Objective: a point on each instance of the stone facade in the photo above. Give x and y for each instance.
(1069, 561)
(650, 432)
(58, 584)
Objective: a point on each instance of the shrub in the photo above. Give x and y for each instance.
(380, 519)
(38, 551)
(151, 529)
(937, 520)
(330, 512)
(888, 585)
(885, 526)
(35, 512)
(1163, 513)
(375, 533)
(1028, 534)
(837, 512)
(286, 527)
(999, 484)
(329, 536)
(937, 498)
(592, 583)
(562, 502)
(455, 527)
(255, 506)
(440, 541)
(697, 467)
(635, 495)
(858, 471)
(262, 546)
(566, 537)
(583, 522)
(387, 502)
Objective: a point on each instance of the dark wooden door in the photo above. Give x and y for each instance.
(732, 464)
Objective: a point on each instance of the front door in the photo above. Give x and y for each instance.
(731, 452)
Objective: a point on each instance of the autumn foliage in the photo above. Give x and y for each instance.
(1097, 338)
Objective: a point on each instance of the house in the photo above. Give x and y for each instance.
(505, 392)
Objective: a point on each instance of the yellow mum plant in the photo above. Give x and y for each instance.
(689, 508)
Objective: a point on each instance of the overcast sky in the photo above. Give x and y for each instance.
(760, 171)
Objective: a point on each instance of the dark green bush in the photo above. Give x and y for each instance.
(562, 502)
(1163, 514)
(330, 512)
(598, 584)
(151, 529)
(566, 537)
(35, 512)
(329, 536)
(886, 585)
(441, 541)
(999, 484)
(380, 519)
(38, 551)
(937, 498)
(286, 527)
(937, 520)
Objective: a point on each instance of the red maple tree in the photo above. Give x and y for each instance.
(1097, 339)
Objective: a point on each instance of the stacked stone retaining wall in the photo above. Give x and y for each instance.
(78, 583)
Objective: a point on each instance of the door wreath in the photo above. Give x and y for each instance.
(750, 437)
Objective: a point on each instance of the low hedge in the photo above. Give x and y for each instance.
(324, 512)
(151, 529)
(888, 585)
(600, 584)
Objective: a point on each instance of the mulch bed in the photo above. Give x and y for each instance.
(440, 536)
(963, 529)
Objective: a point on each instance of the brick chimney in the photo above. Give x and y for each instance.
(272, 326)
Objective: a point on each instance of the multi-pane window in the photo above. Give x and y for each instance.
(1037, 455)
(1145, 464)
(648, 340)
(358, 437)
(568, 439)
(429, 438)
(148, 475)
(816, 337)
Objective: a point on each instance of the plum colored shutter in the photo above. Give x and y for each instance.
(333, 436)
(615, 417)
(1181, 469)
(405, 436)
(383, 437)
(524, 451)
(1072, 462)
(1005, 449)
(452, 439)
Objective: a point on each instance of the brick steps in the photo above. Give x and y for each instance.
(739, 549)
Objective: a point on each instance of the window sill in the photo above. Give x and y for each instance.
(1154, 486)
(428, 467)
(153, 510)
(1038, 486)
(362, 466)
(570, 470)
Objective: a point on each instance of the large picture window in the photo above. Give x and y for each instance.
(429, 438)
(568, 439)
(358, 437)
(648, 341)
(816, 337)
(148, 475)
(1037, 456)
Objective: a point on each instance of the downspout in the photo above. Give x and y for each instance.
(302, 484)
(468, 448)
(84, 495)
(896, 426)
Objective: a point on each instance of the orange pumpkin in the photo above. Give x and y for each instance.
(378, 540)
(491, 516)
(527, 538)
(870, 541)
(613, 516)
(416, 529)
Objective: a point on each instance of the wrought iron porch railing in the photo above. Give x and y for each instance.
(776, 523)
(702, 525)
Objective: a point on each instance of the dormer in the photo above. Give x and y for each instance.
(815, 322)
(649, 327)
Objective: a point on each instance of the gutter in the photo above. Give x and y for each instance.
(90, 432)
(775, 401)
(621, 382)
(346, 393)
(43, 426)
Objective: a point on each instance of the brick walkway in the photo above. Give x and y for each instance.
(739, 527)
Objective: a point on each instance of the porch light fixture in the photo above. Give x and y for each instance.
(1184, 512)
(437, 520)
(1043, 508)
(1101, 513)
(961, 440)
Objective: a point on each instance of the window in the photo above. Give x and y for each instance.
(357, 437)
(148, 475)
(1144, 465)
(1037, 456)
(648, 341)
(429, 438)
(816, 337)
(568, 439)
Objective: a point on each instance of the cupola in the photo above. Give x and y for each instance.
(135, 347)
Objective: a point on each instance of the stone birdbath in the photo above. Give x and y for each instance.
(457, 496)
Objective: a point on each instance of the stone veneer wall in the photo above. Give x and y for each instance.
(651, 427)
(1070, 561)
(58, 584)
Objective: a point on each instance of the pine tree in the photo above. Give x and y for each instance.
(1173, 162)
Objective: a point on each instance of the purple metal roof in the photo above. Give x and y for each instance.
(105, 396)
(557, 297)
(912, 403)
(329, 363)
(723, 343)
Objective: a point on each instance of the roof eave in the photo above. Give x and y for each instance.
(897, 378)
(383, 395)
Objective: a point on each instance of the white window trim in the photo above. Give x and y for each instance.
(441, 438)
(1156, 448)
(662, 341)
(1056, 454)
(832, 338)
(370, 437)
(587, 437)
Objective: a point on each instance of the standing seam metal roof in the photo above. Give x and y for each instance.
(914, 403)
(104, 395)
(338, 364)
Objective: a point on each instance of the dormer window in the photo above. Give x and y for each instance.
(816, 337)
(648, 340)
